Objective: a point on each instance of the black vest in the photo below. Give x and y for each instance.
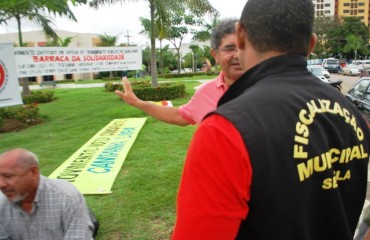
(308, 148)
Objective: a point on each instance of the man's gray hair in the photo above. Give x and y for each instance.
(223, 28)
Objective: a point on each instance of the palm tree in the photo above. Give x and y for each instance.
(205, 33)
(108, 41)
(161, 7)
(59, 42)
(35, 10)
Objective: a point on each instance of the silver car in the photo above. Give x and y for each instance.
(324, 72)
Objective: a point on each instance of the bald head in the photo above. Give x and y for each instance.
(20, 157)
(19, 175)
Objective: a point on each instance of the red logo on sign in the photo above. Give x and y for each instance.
(2, 75)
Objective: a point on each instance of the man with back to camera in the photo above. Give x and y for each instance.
(223, 49)
(284, 156)
(35, 207)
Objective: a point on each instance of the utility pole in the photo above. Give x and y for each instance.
(128, 38)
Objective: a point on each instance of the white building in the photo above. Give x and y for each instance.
(324, 7)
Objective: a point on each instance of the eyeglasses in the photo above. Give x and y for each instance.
(228, 49)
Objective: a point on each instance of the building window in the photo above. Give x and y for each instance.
(346, 11)
(327, 5)
(32, 79)
(361, 4)
(361, 11)
(48, 78)
(346, 4)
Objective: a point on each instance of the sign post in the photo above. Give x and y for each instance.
(9, 85)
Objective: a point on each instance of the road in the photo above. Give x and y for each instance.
(348, 81)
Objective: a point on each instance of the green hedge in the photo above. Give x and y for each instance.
(39, 97)
(144, 90)
(187, 75)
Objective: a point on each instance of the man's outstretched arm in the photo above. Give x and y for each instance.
(165, 114)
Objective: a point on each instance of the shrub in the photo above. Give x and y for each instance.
(28, 113)
(38, 97)
(189, 74)
(144, 90)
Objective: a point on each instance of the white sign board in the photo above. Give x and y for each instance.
(9, 85)
(39, 61)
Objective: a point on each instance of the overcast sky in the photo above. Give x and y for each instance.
(119, 19)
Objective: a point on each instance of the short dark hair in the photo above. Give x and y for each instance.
(284, 26)
(222, 29)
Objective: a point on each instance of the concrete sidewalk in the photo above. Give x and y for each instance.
(67, 85)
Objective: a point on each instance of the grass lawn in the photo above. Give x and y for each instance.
(142, 205)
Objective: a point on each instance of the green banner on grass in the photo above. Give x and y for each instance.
(94, 167)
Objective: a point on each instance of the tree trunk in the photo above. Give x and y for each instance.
(25, 86)
(24, 81)
(153, 59)
(161, 57)
(178, 60)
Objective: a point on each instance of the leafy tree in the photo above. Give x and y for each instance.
(336, 37)
(162, 8)
(205, 32)
(322, 26)
(354, 43)
(181, 26)
(35, 10)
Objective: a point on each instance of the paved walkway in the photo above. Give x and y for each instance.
(67, 85)
(87, 85)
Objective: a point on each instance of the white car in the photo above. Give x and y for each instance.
(351, 70)
(318, 73)
(324, 72)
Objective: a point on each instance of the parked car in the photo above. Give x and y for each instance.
(359, 95)
(365, 73)
(352, 70)
(323, 70)
(319, 74)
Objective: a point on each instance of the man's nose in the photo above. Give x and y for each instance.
(2, 183)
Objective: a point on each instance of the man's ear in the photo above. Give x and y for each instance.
(35, 170)
(213, 54)
(312, 44)
(240, 35)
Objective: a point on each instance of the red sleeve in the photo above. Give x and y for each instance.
(215, 186)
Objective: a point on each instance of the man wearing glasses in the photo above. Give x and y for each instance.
(224, 50)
